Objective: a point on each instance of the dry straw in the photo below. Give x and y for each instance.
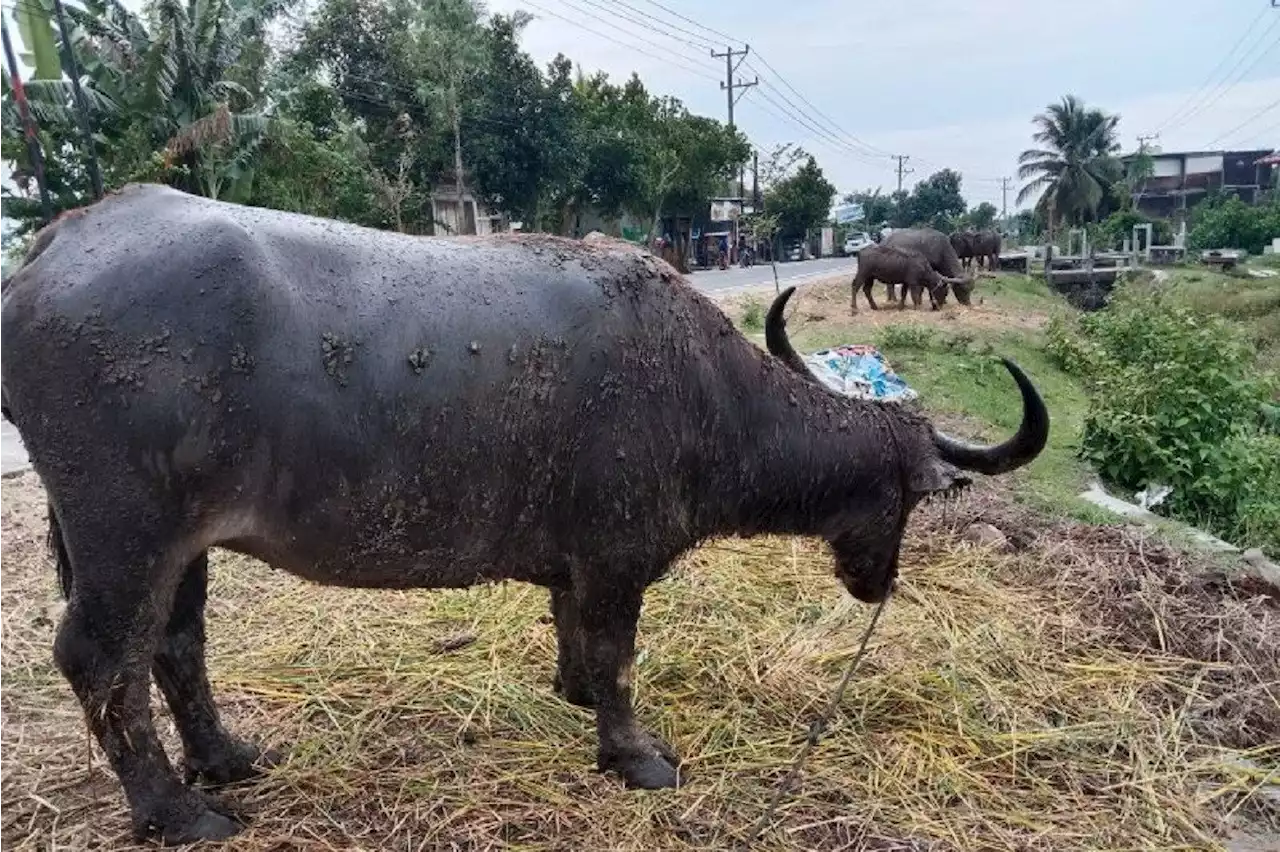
(1092, 689)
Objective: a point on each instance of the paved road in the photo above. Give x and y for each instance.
(13, 457)
(736, 277)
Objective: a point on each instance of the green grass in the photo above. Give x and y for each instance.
(1254, 303)
(956, 373)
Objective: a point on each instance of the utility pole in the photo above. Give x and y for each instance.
(1004, 201)
(82, 111)
(902, 159)
(729, 87)
(1143, 140)
(28, 125)
(755, 180)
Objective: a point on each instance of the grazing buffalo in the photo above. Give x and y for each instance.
(985, 246)
(937, 248)
(368, 409)
(962, 242)
(896, 266)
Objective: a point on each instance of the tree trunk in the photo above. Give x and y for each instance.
(465, 225)
(1048, 249)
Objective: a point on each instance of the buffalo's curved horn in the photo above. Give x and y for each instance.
(775, 335)
(1019, 450)
(954, 281)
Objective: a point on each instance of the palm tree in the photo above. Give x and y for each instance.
(1076, 164)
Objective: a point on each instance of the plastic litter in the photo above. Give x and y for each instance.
(860, 372)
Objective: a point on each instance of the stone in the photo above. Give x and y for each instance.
(1261, 570)
(1254, 556)
(985, 535)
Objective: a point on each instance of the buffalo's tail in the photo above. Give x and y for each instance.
(62, 559)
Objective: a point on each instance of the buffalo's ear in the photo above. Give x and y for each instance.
(932, 475)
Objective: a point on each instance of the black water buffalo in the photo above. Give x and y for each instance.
(895, 266)
(368, 409)
(986, 249)
(936, 247)
(962, 242)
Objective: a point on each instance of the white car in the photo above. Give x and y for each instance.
(856, 242)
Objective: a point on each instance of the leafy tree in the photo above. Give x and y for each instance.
(523, 140)
(981, 217)
(802, 201)
(1076, 166)
(877, 208)
(779, 164)
(448, 51)
(936, 201)
(1118, 227)
(321, 173)
(364, 48)
(647, 155)
(1230, 223)
(1027, 224)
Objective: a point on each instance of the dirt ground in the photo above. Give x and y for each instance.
(826, 302)
(1082, 688)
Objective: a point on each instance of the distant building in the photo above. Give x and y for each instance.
(1181, 180)
(449, 216)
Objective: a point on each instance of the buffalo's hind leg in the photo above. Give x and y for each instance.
(608, 617)
(121, 594)
(210, 753)
(572, 680)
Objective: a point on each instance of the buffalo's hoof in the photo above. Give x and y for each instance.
(187, 818)
(649, 765)
(236, 761)
(210, 825)
(575, 692)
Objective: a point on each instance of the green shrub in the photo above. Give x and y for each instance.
(753, 316)
(905, 337)
(1176, 399)
(1230, 223)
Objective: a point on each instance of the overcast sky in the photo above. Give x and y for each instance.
(947, 82)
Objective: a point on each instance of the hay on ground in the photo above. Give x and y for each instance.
(1083, 691)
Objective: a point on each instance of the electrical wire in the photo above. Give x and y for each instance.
(1198, 105)
(1259, 114)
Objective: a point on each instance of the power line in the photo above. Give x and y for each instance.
(1259, 114)
(870, 148)
(1221, 62)
(688, 20)
(1228, 82)
(702, 42)
(826, 121)
(701, 72)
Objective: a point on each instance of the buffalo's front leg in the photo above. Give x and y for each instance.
(211, 753)
(572, 680)
(608, 619)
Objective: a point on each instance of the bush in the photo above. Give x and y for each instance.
(1230, 223)
(1176, 400)
(753, 316)
(1118, 227)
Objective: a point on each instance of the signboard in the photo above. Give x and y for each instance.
(725, 209)
(846, 213)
